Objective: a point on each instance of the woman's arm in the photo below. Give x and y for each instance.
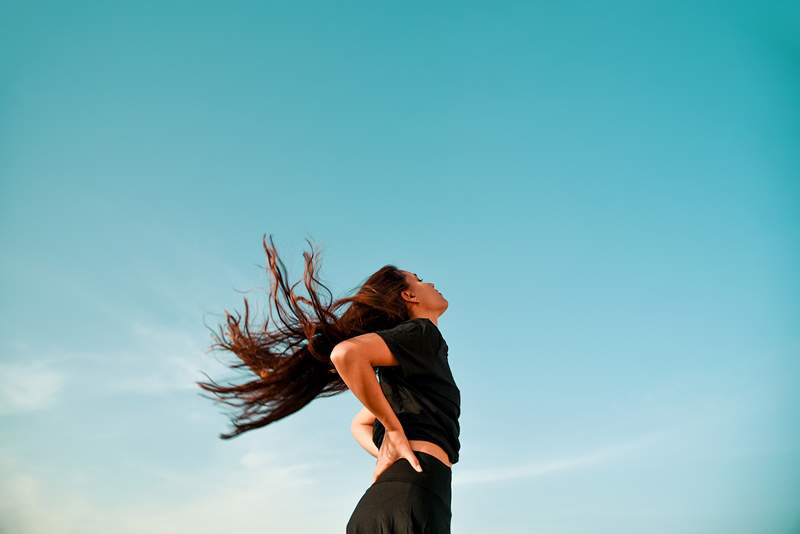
(362, 429)
(354, 360)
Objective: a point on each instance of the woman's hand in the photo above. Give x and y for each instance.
(395, 446)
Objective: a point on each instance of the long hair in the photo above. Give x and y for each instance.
(290, 365)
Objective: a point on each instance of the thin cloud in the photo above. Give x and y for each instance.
(165, 360)
(150, 360)
(571, 463)
(28, 386)
(263, 493)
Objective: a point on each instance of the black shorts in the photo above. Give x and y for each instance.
(403, 501)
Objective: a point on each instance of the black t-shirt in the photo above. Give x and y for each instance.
(421, 390)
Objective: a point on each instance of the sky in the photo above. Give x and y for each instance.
(606, 193)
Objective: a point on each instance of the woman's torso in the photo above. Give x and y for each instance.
(421, 390)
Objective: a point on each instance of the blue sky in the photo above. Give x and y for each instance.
(607, 194)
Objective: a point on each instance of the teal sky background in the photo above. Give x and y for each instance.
(607, 194)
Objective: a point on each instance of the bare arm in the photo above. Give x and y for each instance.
(362, 429)
(354, 360)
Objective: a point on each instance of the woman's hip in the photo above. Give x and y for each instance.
(404, 500)
(435, 477)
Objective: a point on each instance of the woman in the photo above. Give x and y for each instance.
(409, 421)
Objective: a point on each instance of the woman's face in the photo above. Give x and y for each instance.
(424, 295)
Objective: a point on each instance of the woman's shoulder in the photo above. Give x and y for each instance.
(429, 326)
(415, 330)
(430, 331)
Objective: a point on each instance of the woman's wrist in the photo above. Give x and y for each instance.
(392, 424)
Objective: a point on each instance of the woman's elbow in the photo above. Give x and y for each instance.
(342, 354)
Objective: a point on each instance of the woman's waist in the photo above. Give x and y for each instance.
(435, 476)
(431, 448)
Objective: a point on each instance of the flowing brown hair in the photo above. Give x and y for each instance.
(291, 365)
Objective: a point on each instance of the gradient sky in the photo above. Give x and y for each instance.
(607, 194)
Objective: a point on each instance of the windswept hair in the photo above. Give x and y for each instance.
(291, 364)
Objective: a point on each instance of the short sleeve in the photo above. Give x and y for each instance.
(411, 344)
